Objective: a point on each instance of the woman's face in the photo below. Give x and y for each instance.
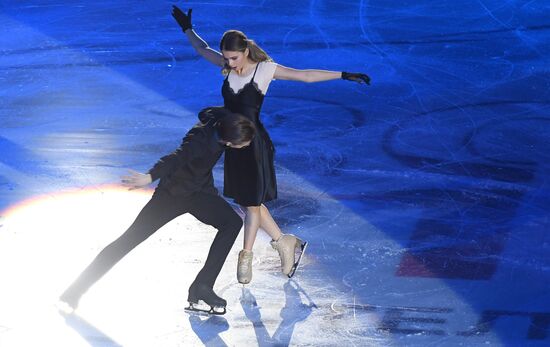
(236, 60)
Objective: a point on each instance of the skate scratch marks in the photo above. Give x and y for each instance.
(315, 23)
(491, 14)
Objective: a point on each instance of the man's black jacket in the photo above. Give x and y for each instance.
(189, 168)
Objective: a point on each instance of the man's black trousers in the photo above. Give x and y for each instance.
(162, 208)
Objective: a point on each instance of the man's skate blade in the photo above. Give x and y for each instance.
(192, 310)
(204, 309)
(297, 263)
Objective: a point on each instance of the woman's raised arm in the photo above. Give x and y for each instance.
(202, 48)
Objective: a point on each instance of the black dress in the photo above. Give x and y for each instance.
(249, 173)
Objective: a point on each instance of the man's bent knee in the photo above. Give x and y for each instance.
(231, 223)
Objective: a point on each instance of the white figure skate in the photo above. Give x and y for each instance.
(287, 246)
(244, 266)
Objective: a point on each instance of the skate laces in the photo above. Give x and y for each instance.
(280, 242)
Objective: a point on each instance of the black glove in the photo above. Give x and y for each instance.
(356, 77)
(184, 20)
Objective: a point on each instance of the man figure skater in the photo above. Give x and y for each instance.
(186, 186)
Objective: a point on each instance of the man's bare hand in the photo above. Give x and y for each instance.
(136, 180)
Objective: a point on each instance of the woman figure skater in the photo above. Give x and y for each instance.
(249, 174)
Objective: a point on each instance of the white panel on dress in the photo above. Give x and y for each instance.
(264, 75)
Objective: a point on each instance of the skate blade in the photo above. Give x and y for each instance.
(205, 309)
(303, 247)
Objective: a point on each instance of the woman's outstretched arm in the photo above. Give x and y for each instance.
(202, 48)
(287, 73)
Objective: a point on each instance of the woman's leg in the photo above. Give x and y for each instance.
(256, 217)
(285, 244)
(268, 224)
(251, 226)
(259, 217)
(252, 222)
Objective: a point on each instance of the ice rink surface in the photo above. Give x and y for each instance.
(424, 197)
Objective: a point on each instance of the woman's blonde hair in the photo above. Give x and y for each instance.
(236, 41)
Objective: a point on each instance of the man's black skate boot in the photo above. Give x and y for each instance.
(198, 292)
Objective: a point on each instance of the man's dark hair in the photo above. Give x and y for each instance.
(235, 128)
